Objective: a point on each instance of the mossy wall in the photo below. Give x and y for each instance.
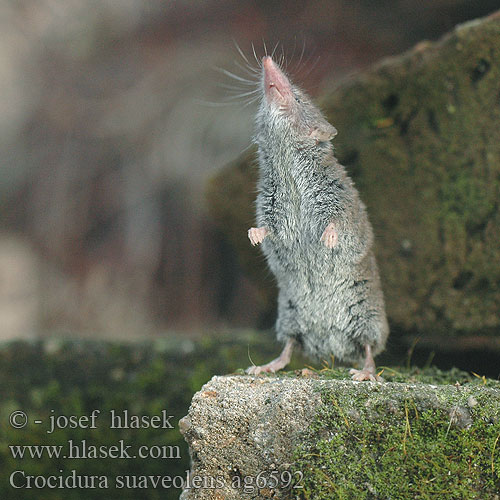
(57, 377)
(415, 443)
(420, 435)
(420, 135)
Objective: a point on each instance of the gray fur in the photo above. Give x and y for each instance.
(330, 299)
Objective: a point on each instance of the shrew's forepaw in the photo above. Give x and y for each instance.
(256, 235)
(329, 236)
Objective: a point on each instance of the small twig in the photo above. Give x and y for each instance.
(342, 414)
(407, 428)
(249, 358)
(493, 454)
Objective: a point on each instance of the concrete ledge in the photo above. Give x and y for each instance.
(258, 437)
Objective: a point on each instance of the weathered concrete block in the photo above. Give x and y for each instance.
(320, 438)
(420, 135)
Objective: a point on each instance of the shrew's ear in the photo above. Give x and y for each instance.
(323, 132)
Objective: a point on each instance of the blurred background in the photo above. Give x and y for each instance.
(113, 114)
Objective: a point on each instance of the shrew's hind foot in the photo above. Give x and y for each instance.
(360, 375)
(368, 371)
(276, 364)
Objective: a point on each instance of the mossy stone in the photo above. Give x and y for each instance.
(420, 135)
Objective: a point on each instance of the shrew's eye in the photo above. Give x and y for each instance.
(297, 99)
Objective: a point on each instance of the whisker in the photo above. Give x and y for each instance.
(283, 59)
(241, 52)
(274, 50)
(294, 47)
(239, 85)
(213, 104)
(247, 148)
(249, 70)
(228, 101)
(236, 85)
(251, 101)
(247, 66)
(297, 66)
(245, 94)
(241, 92)
(264, 43)
(254, 69)
(236, 77)
(255, 55)
(306, 63)
(313, 66)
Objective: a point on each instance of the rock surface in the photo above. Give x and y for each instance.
(250, 437)
(419, 134)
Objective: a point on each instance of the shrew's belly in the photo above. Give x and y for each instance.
(302, 262)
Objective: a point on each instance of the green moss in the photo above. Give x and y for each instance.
(380, 447)
(408, 375)
(76, 377)
(427, 375)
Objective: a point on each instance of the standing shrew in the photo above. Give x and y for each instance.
(315, 234)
